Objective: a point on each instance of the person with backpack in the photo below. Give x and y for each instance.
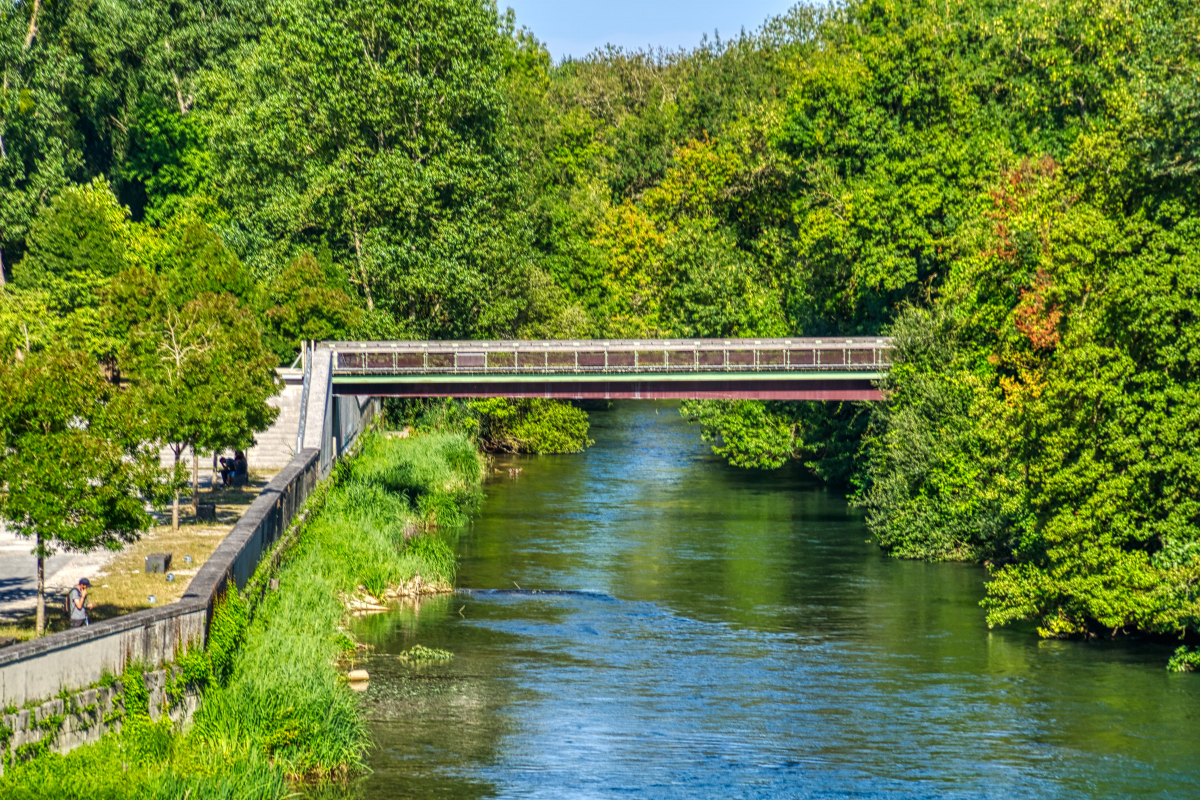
(77, 605)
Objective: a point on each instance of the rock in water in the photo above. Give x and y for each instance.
(358, 675)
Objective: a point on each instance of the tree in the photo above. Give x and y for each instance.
(71, 460)
(374, 129)
(305, 301)
(75, 247)
(26, 323)
(198, 366)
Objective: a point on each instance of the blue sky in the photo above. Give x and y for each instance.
(570, 27)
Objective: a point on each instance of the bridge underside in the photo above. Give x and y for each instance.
(856, 386)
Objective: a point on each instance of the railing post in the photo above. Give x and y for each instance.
(304, 400)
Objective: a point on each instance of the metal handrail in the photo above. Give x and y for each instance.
(613, 356)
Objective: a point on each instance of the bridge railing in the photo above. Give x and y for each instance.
(614, 356)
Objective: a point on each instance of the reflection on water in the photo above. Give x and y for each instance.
(737, 636)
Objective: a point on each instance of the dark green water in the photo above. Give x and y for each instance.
(734, 635)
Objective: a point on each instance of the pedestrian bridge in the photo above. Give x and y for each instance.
(342, 379)
(759, 369)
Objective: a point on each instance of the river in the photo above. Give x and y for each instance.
(724, 633)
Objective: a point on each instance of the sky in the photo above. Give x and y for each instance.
(575, 28)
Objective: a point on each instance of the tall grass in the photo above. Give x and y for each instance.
(284, 713)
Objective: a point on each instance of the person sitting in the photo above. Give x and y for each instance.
(228, 467)
(234, 470)
(240, 468)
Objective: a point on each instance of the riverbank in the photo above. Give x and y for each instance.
(276, 710)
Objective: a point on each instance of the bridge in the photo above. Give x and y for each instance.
(760, 369)
(341, 378)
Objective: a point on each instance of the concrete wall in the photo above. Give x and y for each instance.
(77, 658)
(331, 421)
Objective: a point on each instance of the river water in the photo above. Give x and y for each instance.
(702, 631)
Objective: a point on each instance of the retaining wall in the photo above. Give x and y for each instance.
(66, 723)
(79, 658)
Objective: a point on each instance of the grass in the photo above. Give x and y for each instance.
(285, 713)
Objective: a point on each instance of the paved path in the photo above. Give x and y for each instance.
(18, 574)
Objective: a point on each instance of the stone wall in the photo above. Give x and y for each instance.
(62, 724)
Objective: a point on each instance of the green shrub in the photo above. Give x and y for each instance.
(145, 741)
(136, 697)
(1185, 660)
(531, 425)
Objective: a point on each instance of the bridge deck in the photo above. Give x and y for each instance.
(777, 369)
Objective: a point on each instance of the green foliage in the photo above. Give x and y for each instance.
(51, 724)
(528, 425)
(145, 741)
(106, 770)
(765, 435)
(230, 620)
(432, 415)
(136, 698)
(1045, 412)
(307, 302)
(532, 425)
(420, 652)
(70, 458)
(936, 487)
(403, 174)
(745, 431)
(1184, 659)
(74, 249)
(167, 159)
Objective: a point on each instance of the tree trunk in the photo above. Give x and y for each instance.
(1, 251)
(40, 629)
(216, 475)
(33, 28)
(175, 504)
(195, 484)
